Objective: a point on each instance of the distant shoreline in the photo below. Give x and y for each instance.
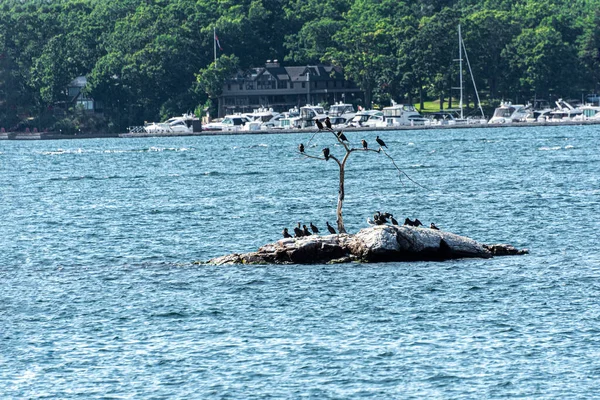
(59, 136)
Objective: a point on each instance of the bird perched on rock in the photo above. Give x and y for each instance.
(417, 222)
(297, 231)
(380, 142)
(342, 137)
(364, 143)
(379, 218)
(286, 234)
(432, 226)
(408, 222)
(328, 123)
(330, 228)
(319, 124)
(301, 147)
(314, 228)
(305, 231)
(326, 153)
(394, 222)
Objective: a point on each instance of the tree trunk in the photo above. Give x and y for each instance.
(340, 219)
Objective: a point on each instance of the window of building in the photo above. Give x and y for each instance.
(303, 85)
(282, 85)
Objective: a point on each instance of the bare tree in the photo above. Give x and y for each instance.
(341, 138)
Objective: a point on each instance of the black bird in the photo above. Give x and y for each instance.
(342, 137)
(328, 122)
(330, 228)
(319, 124)
(297, 231)
(381, 142)
(417, 222)
(394, 222)
(286, 234)
(314, 228)
(378, 218)
(301, 148)
(326, 153)
(364, 143)
(409, 222)
(386, 215)
(432, 226)
(305, 231)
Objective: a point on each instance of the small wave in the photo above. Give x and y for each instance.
(545, 148)
(159, 149)
(170, 314)
(570, 146)
(62, 151)
(442, 377)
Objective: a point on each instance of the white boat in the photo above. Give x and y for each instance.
(565, 112)
(183, 124)
(259, 117)
(401, 115)
(307, 116)
(441, 118)
(362, 118)
(233, 122)
(508, 113)
(542, 115)
(588, 113)
(341, 110)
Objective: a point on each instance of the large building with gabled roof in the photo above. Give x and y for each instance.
(282, 88)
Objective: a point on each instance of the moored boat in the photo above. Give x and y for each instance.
(187, 123)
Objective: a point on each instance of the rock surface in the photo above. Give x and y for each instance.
(373, 244)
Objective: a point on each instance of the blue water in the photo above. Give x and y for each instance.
(101, 296)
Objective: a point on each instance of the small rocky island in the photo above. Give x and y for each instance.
(379, 243)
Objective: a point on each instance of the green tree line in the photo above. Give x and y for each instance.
(150, 59)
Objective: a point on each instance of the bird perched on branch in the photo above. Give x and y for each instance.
(314, 228)
(380, 142)
(342, 137)
(319, 124)
(301, 148)
(328, 123)
(364, 143)
(330, 228)
(286, 234)
(326, 153)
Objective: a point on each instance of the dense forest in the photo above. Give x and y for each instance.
(149, 59)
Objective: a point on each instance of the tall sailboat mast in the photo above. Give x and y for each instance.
(460, 104)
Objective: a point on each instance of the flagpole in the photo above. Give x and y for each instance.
(215, 43)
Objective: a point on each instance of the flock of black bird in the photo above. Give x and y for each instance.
(303, 231)
(383, 218)
(341, 136)
(378, 219)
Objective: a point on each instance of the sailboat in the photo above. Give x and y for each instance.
(462, 119)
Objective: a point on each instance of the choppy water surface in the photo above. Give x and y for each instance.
(101, 297)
